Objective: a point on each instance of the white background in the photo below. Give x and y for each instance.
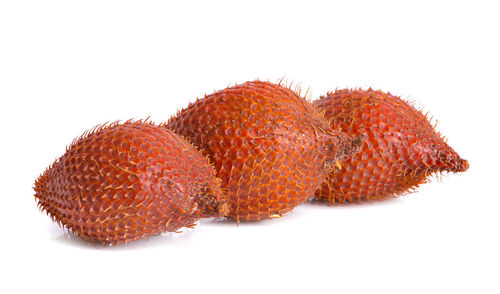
(67, 66)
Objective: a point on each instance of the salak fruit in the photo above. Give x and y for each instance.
(123, 182)
(400, 151)
(271, 148)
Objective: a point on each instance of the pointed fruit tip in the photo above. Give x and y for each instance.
(223, 208)
(462, 166)
(356, 144)
(341, 147)
(213, 204)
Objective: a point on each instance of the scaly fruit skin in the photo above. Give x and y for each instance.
(401, 148)
(271, 148)
(124, 182)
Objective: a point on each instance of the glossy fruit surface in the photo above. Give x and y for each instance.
(401, 148)
(271, 148)
(123, 182)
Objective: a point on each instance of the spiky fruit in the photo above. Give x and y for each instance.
(123, 182)
(271, 148)
(401, 148)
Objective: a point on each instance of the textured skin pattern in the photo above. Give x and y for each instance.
(124, 182)
(401, 148)
(271, 148)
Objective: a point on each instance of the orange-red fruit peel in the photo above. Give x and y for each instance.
(400, 151)
(271, 148)
(123, 182)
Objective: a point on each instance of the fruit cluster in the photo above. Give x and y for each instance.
(250, 152)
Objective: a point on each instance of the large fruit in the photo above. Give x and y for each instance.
(271, 148)
(400, 151)
(123, 182)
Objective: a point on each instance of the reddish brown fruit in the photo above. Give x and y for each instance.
(124, 182)
(271, 148)
(400, 151)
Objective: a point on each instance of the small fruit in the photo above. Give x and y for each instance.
(271, 148)
(401, 148)
(123, 182)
